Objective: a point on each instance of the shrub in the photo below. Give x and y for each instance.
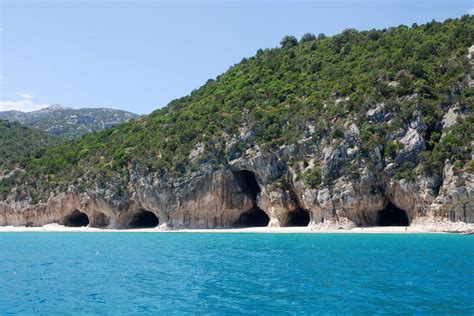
(312, 177)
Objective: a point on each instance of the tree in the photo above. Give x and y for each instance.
(308, 37)
(288, 41)
(321, 36)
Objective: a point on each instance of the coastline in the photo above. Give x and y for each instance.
(262, 230)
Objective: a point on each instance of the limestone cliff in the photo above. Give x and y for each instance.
(243, 192)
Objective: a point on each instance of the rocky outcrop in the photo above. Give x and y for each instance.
(470, 57)
(220, 197)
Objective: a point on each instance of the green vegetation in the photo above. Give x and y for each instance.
(322, 81)
(312, 177)
(455, 147)
(19, 144)
(392, 148)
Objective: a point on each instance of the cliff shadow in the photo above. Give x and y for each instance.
(76, 219)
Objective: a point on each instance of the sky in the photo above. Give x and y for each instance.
(140, 55)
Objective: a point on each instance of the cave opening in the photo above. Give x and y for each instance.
(101, 220)
(76, 219)
(298, 217)
(254, 217)
(248, 183)
(391, 216)
(144, 219)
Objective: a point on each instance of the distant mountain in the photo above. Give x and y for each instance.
(18, 143)
(68, 122)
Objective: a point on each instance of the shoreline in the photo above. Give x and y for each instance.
(262, 230)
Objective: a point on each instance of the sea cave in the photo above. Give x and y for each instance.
(143, 219)
(248, 183)
(254, 217)
(298, 217)
(391, 216)
(76, 219)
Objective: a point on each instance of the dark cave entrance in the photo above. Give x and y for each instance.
(248, 183)
(391, 216)
(101, 220)
(76, 219)
(298, 217)
(144, 219)
(254, 217)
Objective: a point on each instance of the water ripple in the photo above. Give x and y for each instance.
(263, 274)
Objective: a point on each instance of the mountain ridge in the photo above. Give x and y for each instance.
(69, 122)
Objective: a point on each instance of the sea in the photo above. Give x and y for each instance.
(127, 273)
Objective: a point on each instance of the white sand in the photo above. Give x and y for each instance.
(366, 230)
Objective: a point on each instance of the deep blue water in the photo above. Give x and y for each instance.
(132, 273)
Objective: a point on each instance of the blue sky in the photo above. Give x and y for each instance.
(139, 55)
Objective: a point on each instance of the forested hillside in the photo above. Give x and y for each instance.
(308, 92)
(18, 144)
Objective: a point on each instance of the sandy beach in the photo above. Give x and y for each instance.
(268, 230)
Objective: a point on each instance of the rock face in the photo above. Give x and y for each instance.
(241, 192)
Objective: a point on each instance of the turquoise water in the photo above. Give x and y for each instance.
(188, 273)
